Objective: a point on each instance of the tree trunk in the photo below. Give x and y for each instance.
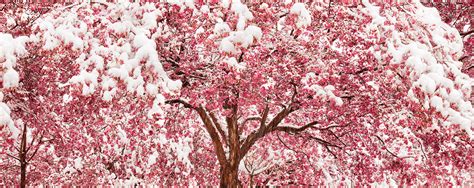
(23, 175)
(22, 157)
(251, 180)
(230, 177)
(230, 169)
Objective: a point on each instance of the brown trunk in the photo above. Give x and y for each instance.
(22, 157)
(251, 180)
(23, 175)
(230, 171)
(230, 177)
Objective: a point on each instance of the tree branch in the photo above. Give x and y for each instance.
(326, 144)
(179, 101)
(234, 137)
(218, 127)
(296, 129)
(213, 134)
(33, 140)
(263, 129)
(462, 58)
(264, 116)
(466, 33)
(311, 125)
(288, 147)
(14, 157)
(295, 92)
(38, 146)
(391, 153)
(422, 150)
(16, 148)
(251, 119)
(337, 137)
(278, 118)
(241, 57)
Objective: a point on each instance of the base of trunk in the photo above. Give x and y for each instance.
(230, 178)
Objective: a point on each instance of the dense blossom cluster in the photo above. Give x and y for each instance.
(231, 93)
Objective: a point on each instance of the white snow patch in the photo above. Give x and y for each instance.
(78, 163)
(227, 46)
(11, 79)
(304, 16)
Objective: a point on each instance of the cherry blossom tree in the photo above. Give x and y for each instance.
(24, 101)
(83, 121)
(193, 93)
(296, 76)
